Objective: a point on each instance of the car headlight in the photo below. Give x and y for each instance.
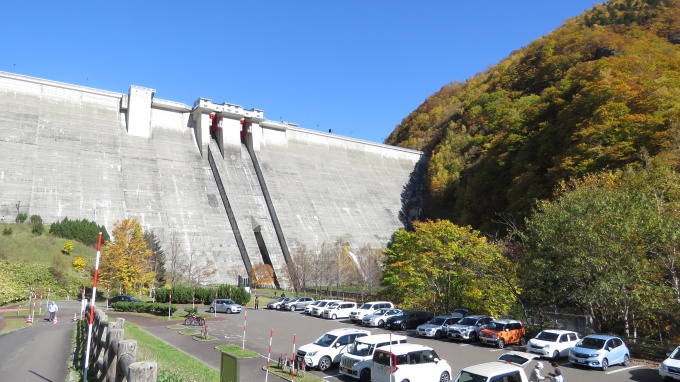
(663, 367)
(311, 353)
(594, 355)
(546, 346)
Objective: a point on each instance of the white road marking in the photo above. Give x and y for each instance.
(332, 376)
(624, 369)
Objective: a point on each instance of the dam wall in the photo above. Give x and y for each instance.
(83, 153)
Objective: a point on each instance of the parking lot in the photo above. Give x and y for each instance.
(306, 329)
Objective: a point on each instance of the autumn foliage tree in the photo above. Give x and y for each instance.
(125, 261)
(262, 275)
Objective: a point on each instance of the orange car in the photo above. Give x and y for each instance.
(503, 332)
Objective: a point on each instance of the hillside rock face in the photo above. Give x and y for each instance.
(597, 93)
(221, 187)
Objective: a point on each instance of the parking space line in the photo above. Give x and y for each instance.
(332, 376)
(624, 369)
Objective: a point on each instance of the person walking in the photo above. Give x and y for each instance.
(52, 308)
(257, 302)
(536, 373)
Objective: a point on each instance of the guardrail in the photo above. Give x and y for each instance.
(114, 357)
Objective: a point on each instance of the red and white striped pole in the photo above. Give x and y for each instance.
(94, 293)
(292, 369)
(269, 355)
(245, 317)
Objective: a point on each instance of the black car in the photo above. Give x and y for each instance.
(124, 299)
(407, 320)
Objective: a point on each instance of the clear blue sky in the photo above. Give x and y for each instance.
(357, 67)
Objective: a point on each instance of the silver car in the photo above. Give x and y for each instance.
(225, 305)
(297, 303)
(438, 326)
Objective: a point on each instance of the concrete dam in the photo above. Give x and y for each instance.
(216, 183)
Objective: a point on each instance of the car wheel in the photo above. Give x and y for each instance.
(556, 355)
(473, 337)
(333, 317)
(403, 326)
(212, 310)
(293, 308)
(445, 377)
(324, 363)
(405, 380)
(625, 360)
(522, 341)
(228, 310)
(381, 323)
(438, 335)
(605, 364)
(501, 343)
(365, 374)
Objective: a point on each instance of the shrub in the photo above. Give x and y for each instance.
(68, 247)
(21, 217)
(79, 263)
(157, 309)
(84, 231)
(36, 219)
(38, 228)
(190, 311)
(182, 294)
(7, 231)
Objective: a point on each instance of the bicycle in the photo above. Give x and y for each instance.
(194, 320)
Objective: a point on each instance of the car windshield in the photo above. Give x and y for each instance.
(380, 312)
(229, 302)
(437, 321)
(591, 343)
(366, 306)
(334, 305)
(675, 354)
(547, 336)
(280, 299)
(326, 340)
(465, 376)
(361, 349)
(401, 314)
(468, 321)
(496, 326)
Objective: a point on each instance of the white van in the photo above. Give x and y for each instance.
(358, 360)
(340, 310)
(411, 362)
(367, 308)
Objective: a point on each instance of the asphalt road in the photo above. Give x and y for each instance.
(306, 329)
(39, 353)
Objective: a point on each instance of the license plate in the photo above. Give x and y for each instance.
(580, 360)
(484, 340)
(344, 370)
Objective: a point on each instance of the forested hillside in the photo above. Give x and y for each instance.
(600, 92)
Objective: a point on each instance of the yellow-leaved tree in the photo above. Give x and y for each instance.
(126, 259)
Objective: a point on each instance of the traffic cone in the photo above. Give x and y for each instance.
(30, 319)
(75, 318)
(55, 319)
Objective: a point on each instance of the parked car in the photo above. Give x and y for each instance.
(437, 327)
(275, 303)
(341, 310)
(357, 362)
(600, 351)
(669, 369)
(124, 299)
(407, 319)
(468, 328)
(509, 367)
(225, 305)
(503, 332)
(553, 343)
(297, 303)
(321, 306)
(329, 348)
(368, 308)
(408, 362)
(308, 308)
(379, 317)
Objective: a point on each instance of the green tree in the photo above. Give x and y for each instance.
(440, 266)
(125, 262)
(157, 256)
(598, 246)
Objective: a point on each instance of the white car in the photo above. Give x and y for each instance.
(339, 310)
(411, 362)
(509, 367)
(368, 308)
(321, 306)
(379, 317)
(329, 348)
(357, 362)
(669, 369)
(553, 343)
(308, 308)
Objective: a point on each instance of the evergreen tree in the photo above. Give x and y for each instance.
(157, 256)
